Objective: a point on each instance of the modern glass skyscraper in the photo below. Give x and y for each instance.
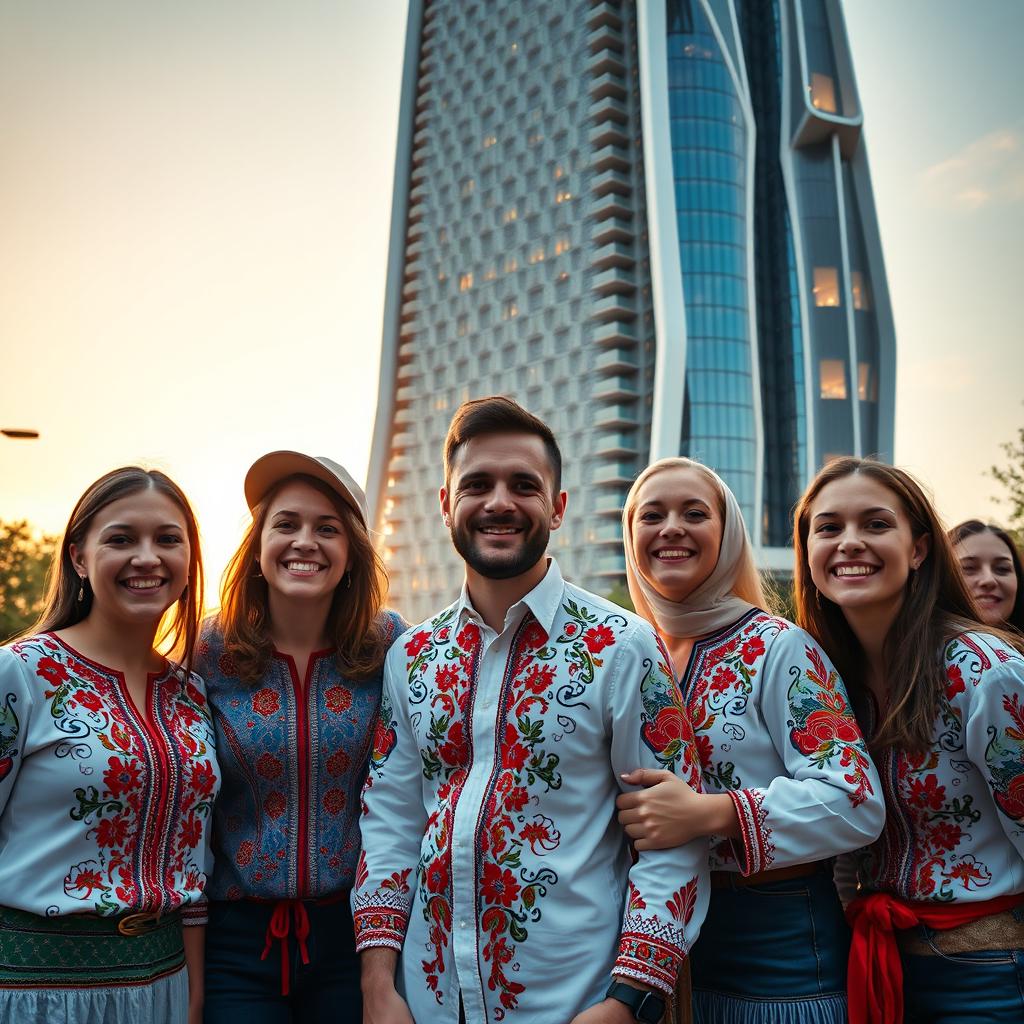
(651, 222)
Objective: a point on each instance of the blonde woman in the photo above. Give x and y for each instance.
(787, 781)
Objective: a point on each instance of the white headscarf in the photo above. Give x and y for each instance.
(712, 605)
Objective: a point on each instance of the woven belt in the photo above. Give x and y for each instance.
(728, 879)
(996, 931)
(86, 950)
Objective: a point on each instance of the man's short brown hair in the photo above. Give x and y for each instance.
(497, 414)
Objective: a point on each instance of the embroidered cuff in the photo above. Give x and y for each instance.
(379, 926)
(754, 851)
(194, 914)
(649, 960)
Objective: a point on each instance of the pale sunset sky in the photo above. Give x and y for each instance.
(195, 199)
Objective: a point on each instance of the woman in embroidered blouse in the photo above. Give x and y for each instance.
(107, 772)
(991, 565)
(941, 698)
(294, 665)
(787, 781)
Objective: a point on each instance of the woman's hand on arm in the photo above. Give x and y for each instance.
(667, 812)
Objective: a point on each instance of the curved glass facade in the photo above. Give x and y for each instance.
(709, 160)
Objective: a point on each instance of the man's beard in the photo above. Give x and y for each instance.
(502, 565)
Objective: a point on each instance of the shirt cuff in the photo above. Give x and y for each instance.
(649, 960)
(380, 926)
(195, 914)
(754, 850)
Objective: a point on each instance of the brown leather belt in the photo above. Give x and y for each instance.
(728, 879)
(996, 931)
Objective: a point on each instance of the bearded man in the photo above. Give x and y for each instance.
(496, 883)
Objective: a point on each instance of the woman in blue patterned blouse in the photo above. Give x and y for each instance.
(293, 665)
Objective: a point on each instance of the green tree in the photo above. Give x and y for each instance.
(24, 560)
(1011, 476)
(620, 595)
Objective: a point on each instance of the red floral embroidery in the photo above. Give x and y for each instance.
(338, 699)
(266, 702)
(274, 805)
(269, 766)
(334, 801)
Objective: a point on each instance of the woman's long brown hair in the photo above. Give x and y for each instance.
(936, 607)
(355, 626)
(61, 607)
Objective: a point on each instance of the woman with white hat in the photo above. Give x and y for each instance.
(293, 664)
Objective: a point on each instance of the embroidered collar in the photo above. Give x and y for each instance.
(543, 601)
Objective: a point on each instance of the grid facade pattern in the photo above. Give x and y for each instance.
(522, 260)
(524, 269)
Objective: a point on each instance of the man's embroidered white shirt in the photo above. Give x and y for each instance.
(492, 856)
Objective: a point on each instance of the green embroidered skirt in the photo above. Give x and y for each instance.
(82, 969)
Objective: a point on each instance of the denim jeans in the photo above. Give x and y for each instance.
(243, 989)
(984, 987)
(771, 953)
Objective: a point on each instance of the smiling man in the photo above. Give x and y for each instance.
(495, 882)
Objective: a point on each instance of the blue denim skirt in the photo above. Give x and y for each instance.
(772, 954)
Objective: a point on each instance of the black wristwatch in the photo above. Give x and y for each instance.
(647, 1007)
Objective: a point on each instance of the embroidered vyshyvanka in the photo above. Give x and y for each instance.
(104, 811)
(775, 731)
(492, 855)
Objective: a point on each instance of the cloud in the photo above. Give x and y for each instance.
(985, 172)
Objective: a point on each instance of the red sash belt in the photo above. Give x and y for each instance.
(875, 977)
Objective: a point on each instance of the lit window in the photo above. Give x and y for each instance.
(823, 93)
(826, 286)
(442, 276)
(563, 195)
(509, 309)
(535, 139)
(490, 140)
(467, 187)
(832, 378)
(536, 255)
(511, 264)
(562, 244)
(490, 274)
(563, 276)
(861, 294)
(389, 506)
(465, 282)
(559, 172)
(867, 383)
(391, 481)
(510, 215)
(514, 47)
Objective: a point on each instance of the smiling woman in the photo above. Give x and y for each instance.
(937, 930)
(100, 737)
(293, 661)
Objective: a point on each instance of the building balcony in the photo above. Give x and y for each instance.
(399, 465)
(610, 133)
(611, 181)
(612, 157)
(607, 62)
(615, 307)
(414, 246)
(605, 37)
(610, 502)
(411, 287)
(414, 231)
(402, 441)
(609, 563)
(415, 213)
(614, 229)
(614, 254)
(618, 442)
(421, 138)
(615, 280)
(608, 84)
(426, 78)
(612, 205)
(404, 394)
(404, 416)
(618, 414)
(615, 333)
(608, 532)
(617, 388)
(411, 309)
(605, 13)
(608, 473)
(413, 268)
(406, 374)
(418, 191)
(616, 360)
(608, 108)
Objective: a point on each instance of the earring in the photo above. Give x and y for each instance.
(81, 589)
(348, 580)
(447, 522)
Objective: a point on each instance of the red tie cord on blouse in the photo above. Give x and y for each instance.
(875, 976)
(278, 930)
